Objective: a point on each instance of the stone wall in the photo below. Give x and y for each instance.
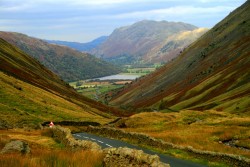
(122, 157)
(64, 136)
(126, 157)
(71, 123)
(140, 138)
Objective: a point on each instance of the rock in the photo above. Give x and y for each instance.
(16, 146)
(64, 136)
(128, 157)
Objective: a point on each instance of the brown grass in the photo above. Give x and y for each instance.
(201, 130)
(45, 152)
(52, 158)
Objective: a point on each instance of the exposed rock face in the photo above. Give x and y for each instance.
(126, 157)
(16, 146)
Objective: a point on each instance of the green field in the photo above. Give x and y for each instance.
(142, 71)
(97, 89)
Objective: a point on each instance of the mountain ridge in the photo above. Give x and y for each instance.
(32, 92)
(204, 76)
(82, 47)
(136, 41)
(68, 63)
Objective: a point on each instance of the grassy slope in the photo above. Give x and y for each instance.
(201, 130)
(212, 73)
(31, 94)
(69, 64)
(33, 105)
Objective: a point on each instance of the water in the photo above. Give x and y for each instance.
(120, 77)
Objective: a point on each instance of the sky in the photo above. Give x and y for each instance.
(85, 20)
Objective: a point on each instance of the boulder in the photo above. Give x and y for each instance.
(16, 146)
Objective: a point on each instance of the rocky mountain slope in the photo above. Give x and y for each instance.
(82, 47)
(212, 73)
(137, 42)
(31, 94)
(68, 63)
(173, 46)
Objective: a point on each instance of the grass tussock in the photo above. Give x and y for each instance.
(49, 158)
(45, 152)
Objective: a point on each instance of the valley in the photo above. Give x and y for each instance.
(101, 89)
(168, 88)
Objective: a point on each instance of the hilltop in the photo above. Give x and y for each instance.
(200, 99)
(146, 42)
(82, 47)
(69, 64)
(31, 94)
(212, 73)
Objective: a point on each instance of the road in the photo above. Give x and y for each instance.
(106, 143)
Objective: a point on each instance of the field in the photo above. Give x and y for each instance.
(207, 130)
(44, 152)
(140, 70)
(96, 89)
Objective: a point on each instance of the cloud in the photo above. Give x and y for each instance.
(15, 7)
(60, 18)
(188, 11)
(100, 2)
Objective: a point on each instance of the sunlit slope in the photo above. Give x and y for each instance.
(147, 42)
(23, 105)
(69, 64)
(30, 93)
(212, 73)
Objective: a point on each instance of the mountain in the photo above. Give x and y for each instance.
(31, 94)
(68, 63)
(212, 73)
(173, 46)
(134, 43)
(82, 47)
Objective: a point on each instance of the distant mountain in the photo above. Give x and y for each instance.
(68, 63)
(134, 43)
(212, 73)
(82, 47)
(31, 94)
(173, 46)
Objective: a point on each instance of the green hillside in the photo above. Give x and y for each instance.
(30, 94)
(212, 73)
(69, 64)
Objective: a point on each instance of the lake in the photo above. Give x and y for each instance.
(120, 77)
